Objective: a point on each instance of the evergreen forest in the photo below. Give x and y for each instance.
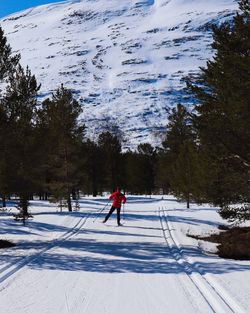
(204, 156)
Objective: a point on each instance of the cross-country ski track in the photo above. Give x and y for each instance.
(148, 265)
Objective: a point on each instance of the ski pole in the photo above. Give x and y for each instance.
(101, 211)
(123, 216)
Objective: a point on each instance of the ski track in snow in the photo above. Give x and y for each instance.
(216, 297)
(100, 268)
(10, 269)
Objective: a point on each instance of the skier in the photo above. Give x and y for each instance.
(118, 198)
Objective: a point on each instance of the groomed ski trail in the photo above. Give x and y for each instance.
(7, 271)
(213, 294)
(96, 268)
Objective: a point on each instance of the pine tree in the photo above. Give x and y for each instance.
(59, 119)
(185, 170)
(146, 167)
(110, 148)
(181, 154)
(19, 108)
(162, 171)
(8, 62)
(3, 155)
(223, 110)
(91, 167)
(133, 173)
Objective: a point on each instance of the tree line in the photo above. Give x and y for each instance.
(204, 156)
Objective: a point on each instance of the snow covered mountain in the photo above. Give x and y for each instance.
(125, 60)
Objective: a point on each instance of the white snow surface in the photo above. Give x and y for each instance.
(72, 262)
(123, 59)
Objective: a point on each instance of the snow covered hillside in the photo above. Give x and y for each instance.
(123, 59)
(73, 263)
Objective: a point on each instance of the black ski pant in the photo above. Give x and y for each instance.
(118, 211)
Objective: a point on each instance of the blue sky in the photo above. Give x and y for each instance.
(11, 6)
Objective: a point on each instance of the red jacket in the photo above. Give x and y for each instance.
(118, 198)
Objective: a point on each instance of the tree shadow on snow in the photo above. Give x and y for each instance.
(192, 221)
(126, 257)
(172, 218)
(119, 233)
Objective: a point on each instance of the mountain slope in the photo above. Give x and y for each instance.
(123, 59)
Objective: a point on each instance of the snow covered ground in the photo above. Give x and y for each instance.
(70, 263)
(125, 60)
